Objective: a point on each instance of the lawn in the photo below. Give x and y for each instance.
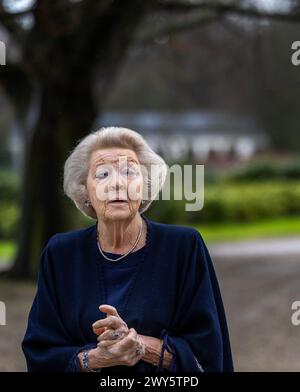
(275, 227)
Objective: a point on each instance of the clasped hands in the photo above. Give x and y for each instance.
(117, 344)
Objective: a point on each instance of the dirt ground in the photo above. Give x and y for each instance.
(257, 293)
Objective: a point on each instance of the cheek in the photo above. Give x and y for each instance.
(95, 189)
(135, 188)
(100, 192)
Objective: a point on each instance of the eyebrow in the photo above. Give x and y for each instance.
(102, 161)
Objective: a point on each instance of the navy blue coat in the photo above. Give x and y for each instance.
(175, 293)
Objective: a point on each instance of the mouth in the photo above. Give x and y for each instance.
(117, 201)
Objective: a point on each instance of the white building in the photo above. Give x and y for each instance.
(196, 133)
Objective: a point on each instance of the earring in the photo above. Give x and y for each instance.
(87, 203)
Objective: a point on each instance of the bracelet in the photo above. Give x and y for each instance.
(85, 362)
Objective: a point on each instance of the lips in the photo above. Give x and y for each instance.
(118, 201)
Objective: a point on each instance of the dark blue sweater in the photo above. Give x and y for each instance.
(118, 278)
(173, 293)
(120, 275)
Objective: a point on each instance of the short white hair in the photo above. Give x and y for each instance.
(78, 164)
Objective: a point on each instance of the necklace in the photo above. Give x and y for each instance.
(130, 250)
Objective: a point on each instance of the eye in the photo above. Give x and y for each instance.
(129, 171)
(102, 173)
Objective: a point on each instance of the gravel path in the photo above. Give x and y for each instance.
(258, 294)
(258, 288)
(258, 248)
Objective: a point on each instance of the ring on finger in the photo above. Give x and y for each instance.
(116, 334)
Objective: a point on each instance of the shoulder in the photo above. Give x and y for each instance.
(185, 243)
(176, 232)
(190, 256)
(65, 249)
(69, 239)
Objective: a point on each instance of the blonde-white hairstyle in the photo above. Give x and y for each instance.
(77, 165)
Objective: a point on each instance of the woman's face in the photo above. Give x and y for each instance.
(115, 174)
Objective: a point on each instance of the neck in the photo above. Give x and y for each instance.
(118, 236)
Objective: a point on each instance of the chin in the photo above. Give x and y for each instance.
(119, 214)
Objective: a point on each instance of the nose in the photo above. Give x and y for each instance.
(118, 182)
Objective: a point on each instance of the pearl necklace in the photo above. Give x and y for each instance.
(130, 250)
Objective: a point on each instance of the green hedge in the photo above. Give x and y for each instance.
(10, 214)
(223, 202)
(9, 204)
(9, 186)
(265, 170)
(236, 202)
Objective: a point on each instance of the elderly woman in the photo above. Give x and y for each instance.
(127, 294)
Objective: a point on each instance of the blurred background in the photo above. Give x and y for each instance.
(205, 82)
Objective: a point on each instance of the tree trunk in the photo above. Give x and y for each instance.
(66, 111)
(66, 115)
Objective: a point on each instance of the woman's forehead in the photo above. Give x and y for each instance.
(113, 155)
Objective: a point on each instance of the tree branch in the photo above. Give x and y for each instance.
(186, 22)
(196, 14)
(225, 8)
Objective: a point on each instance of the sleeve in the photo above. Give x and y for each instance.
(166, 346)
(201, 340)
(46, 345)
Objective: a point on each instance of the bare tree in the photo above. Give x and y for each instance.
(67, 59)
(71, 47)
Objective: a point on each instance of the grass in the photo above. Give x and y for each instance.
(7, 251)
(275, 227)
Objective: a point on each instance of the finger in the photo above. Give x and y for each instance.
(121, 328)
(111, 334)
(110, 322)
(109, 342)
(109, 309)
(106, 343)
(99, 331)
(127, 342)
